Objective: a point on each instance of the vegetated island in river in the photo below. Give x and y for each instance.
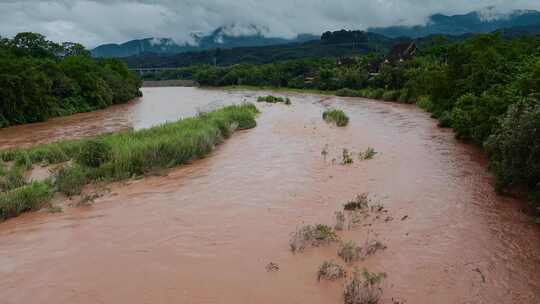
(113, 157)
(486, 87)
(40, 79)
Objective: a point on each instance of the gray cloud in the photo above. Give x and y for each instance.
(100, 21)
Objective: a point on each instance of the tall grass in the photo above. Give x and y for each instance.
(336, 116)
(123, 155)
(27, 198)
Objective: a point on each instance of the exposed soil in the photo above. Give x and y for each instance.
(205, 233)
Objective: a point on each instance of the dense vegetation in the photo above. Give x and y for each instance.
(115, 156)
(40, 79)
(487, 88)
(336, 116)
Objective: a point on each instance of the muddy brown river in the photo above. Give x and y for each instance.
(205, 232)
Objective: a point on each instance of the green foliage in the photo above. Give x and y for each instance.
(40, 79)
(71, 180)
(12, 179)
(28, 198)
(274, 99)
(93, 153)
(336, 116)
(123, 155)
(391, 95)
(515, 147)
(345, 92)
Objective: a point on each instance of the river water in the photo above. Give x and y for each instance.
(205, 232)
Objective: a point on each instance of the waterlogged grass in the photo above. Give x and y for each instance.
(336, 116)
(274, 99)
(26, 198)
(118, 156)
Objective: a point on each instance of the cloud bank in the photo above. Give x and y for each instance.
(114, 21)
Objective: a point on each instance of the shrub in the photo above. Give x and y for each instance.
(390, 95)
(12, 179)
(514, 148)
(331, 271)
(366, 291)
(349, 251)
(361, 202)
(274, 99)
(340, 220)
(71, 180)
(404, 96)
(445, 120)
(424, 103)
(93, 153)
(312, 236)
(345, 92)
(377, 94)
(28, 198)
(336, 116)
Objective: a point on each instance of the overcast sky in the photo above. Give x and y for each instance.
(115, 21)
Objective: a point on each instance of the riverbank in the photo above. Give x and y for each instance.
(169, 83)
(114, 157)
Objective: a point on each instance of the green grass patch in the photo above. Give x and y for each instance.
(123, 155)
(12, 179)
(71, 180)
(336, 116)
(27, 198)
(274, 99)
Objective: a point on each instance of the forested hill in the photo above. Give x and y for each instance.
(486, 20)
(223, 37)
(40, 79)
(331, 44)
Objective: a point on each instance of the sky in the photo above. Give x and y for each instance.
(115, 21)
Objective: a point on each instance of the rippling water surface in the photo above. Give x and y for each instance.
(205, 232)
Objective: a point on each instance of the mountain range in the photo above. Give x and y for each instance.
(230, 36)
(233, 36)
(482, 21)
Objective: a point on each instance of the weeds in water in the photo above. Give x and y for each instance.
(346, 157)
(315, 236)
(336, 116)
(368, 154)
(55, 209)
(324, 152)
(349, 251)
(364, 288)
(71, 180)
(331, 271)
(274, 99)
(27, 198)
(372, 247)
(361, 202)
(340, 220)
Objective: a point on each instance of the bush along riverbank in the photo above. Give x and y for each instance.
(40, 79)
(486, 88)
(114, 157)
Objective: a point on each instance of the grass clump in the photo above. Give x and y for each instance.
(391, 95)
(368, 154)
(349, 251)
(274, 99)
(94, 153)
(361, 202)
(346, 92)
(315, 236)
(346, 157)
(71, 180)
(331, 271)
(336, 116)
(12, 179)
(27, 198)
(364, 288)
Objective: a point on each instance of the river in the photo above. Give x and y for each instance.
(205, 232)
